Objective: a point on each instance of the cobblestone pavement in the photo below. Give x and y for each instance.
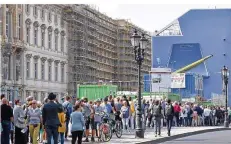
(149, 135)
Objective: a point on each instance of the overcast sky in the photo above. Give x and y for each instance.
(151, 17)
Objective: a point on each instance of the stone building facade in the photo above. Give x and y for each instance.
(34, 51)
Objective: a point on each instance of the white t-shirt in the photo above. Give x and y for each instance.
(207, 112)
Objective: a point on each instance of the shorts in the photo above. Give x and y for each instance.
(96, 125)
(89, 121)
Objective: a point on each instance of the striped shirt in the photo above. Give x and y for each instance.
(34, 116)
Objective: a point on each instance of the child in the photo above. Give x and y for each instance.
(62, 129)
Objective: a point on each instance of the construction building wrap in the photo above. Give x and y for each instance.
(147, 81)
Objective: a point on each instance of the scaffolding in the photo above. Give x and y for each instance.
(91, 45)
(127, 65)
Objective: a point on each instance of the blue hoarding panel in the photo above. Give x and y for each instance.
(146, 83)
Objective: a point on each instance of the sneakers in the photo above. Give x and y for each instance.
(92, 139)
(86, 140)
(155, 135)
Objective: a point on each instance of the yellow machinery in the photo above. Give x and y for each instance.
(192, 65)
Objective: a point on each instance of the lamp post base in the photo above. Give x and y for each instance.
(139, 133)
(226, 124)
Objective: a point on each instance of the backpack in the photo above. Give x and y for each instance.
(169, 110)
(67, 112)
(156, 110)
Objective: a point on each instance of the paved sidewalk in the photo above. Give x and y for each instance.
(150, 137)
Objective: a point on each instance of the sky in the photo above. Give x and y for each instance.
(151, 17)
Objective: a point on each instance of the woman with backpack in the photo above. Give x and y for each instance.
(169, 113)
(157, 115)
(125, 114)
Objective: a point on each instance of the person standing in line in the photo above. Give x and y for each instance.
(77, 126)
(62, 129)
(157, 114)
(12, 125)
(177, 114)
(67, 110)
(125, 114)
(6, 120)
(19, 123)
(34, 117)
(169, 115)
(98, 109)
(132, 107)
(51, 119)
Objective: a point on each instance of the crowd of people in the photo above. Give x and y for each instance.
(53, 121)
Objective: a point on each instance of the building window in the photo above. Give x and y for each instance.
(42, 14)
(18, 66)
(35, 11)
(43, 39)
(62, 22)
(56, 71)
(49, 40)
(62, 43)
(42, 95)
(28, 8)
(27, 93)
(19, 26)
(62, 73)
(43, 71)
(35, 36)
(56, 19)
(35, 69)
(49, 17)
(56, 42)
(28, 68)
(49, 71)
(28, 35)
(35, 95)
(8, 24)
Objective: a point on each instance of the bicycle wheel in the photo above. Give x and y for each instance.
(118, 129)
(105, 132)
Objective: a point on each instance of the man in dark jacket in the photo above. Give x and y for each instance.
(50, 119)
(169, 113)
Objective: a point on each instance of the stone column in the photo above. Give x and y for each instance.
(4, 20)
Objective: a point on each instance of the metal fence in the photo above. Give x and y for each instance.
(218, 99)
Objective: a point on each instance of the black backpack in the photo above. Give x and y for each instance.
(67, 112)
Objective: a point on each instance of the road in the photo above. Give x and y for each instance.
(220, 137)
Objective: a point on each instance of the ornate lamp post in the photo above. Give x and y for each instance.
(139, 43)
(225, 79)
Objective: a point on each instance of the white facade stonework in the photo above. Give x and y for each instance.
(38, 52)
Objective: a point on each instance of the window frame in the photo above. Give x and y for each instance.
(28, 66)
(43, 70)
(49, 71)
(35, 69)
(56, 71)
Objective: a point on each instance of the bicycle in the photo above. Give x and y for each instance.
(108, 126)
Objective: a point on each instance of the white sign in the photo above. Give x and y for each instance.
(178, 80)
(160, 80)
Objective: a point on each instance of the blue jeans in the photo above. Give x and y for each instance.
(6, 125)
(67, 123)
(52, 131)
(61, 137)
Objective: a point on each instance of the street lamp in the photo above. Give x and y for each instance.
(225, 78)
(139, 43)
